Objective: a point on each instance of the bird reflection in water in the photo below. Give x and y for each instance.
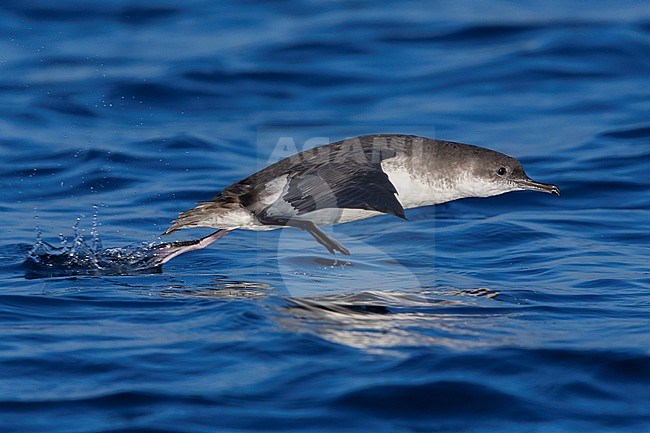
(379, 321)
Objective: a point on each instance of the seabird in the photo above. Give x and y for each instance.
(349, 180)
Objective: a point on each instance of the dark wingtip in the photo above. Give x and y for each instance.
(400, 213)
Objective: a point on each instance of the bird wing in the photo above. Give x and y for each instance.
(349, 185)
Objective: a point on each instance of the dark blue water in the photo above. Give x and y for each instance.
(524, 312)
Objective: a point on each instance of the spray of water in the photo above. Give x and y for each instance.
(78, 256)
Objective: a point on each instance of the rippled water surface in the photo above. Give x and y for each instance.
(524, 312)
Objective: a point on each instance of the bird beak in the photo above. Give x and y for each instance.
(538, 186)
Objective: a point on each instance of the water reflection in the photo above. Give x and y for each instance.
(221, 288)
(373, 320)
(379, 321)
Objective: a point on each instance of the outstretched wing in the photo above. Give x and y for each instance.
(348, 185)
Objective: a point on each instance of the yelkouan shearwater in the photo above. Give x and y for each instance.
(349, 180)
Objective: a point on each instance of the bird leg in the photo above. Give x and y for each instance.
(166, 252)
(310, 227)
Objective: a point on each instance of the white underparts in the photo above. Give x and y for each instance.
(421, 189)
(416, 189)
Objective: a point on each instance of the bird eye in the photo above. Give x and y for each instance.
(501, 171)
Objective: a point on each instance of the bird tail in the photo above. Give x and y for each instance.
(197, 217)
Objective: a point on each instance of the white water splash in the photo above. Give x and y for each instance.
(79, 256)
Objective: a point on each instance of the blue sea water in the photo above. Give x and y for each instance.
(518, 313)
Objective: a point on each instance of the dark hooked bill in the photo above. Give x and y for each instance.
(538, 186)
